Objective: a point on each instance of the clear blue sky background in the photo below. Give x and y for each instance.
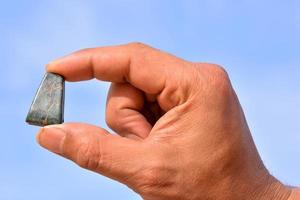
(258, 42)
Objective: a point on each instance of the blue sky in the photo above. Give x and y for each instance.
(256, 41)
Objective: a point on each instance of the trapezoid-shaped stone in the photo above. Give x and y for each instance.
(48, 105)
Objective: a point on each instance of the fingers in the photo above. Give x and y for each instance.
(135, 63)
(123, 111)
(93, 148)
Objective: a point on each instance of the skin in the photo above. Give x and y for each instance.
(181, 132)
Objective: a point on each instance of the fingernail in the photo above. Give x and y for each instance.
(49, 65)
(52, 63)
(51, 138)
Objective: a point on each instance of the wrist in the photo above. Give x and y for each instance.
(273, 189)
(259, 185)
(295, 194)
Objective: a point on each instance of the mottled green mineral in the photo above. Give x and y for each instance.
(48, 105)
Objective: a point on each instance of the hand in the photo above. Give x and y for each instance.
(181, 131)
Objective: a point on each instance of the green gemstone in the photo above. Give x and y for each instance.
(48, 105)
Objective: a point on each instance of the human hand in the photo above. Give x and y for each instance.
(181, 131)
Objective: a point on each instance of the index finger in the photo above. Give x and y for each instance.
(142, 66)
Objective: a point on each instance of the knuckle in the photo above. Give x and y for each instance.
(219, 79)
(137, 45)
(110, 119)
(151, 181)
(88, 156)
(138, 52)
(114, 120)
(153, 178)
(138, 49)
(213, 79)
(220, 72)
(84, 50)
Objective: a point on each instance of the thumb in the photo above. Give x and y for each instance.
(94, 148)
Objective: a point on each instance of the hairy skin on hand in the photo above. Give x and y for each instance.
(181, 130)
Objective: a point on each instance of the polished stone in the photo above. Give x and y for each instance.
(48, 105)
